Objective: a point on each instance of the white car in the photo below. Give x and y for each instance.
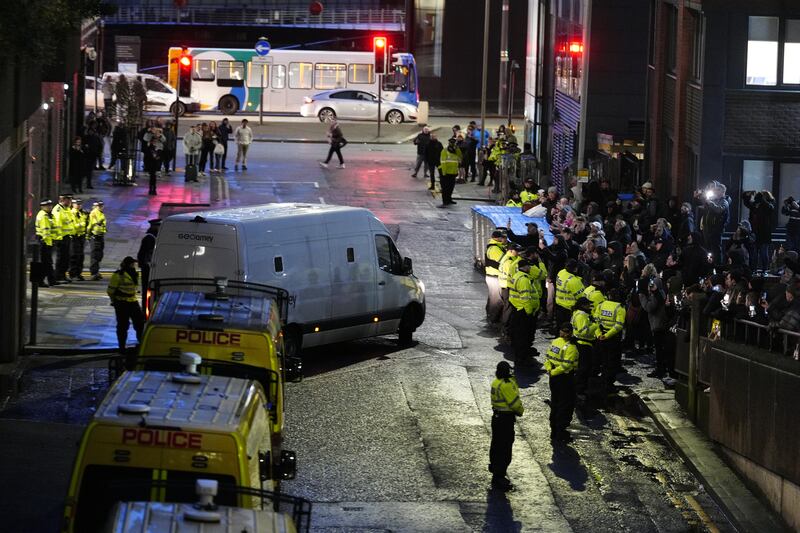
(358, 105)
(160, 96)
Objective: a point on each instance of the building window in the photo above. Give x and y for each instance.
(698, 37)
(789, 186)
(672, 38)
(791, 53)
(329, 75)
(756, 176)
(692, 166)
(762, 51)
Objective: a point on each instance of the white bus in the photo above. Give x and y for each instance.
(231, 80)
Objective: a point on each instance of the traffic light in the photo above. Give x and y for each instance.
(379, 45)
(185, 73)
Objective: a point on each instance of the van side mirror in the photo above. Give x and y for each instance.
(264, 465)
(294, 369)
(407, 268)
(287, 468)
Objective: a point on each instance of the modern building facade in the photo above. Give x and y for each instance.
(585, 78)
(724, 97)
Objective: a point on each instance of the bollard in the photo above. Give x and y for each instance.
(698, 301)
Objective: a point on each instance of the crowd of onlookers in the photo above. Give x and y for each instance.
(672, 250)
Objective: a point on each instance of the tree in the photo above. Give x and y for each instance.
(131, 98)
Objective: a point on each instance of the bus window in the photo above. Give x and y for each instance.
(230, 73)
(203, 70)
(259, 75)
(300, 75)
(361, 73)
(278, 76)
(329, 75)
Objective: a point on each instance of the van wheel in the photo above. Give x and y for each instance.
(181, 108)
(406, 329)
(292, 342)
(228, 105)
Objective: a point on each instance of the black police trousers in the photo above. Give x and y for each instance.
(98, 245)
(62, 257)
(76, 256)
(520, 332)
(562, 402)
(587, 367)
(502, 443)
(609, 351)
(126, 313)
(46, 258)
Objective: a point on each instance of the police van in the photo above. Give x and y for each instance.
(180, 427)
(344, 275)
(234, 327)
(278, 513)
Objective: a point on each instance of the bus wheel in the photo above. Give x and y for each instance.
(228, 105)
(181, 108)
(326, 114)
(394, 117)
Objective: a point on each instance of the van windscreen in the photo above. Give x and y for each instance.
(102, 486)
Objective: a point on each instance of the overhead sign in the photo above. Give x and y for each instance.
(262, 47)
(260, 59)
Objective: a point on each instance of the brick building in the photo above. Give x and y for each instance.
(724, 97)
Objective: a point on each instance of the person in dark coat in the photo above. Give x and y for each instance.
(694, 261)
(225, 131)
(77, 165)
(791, 208)
(170, 146)
(119, 140)
(714, 217)
(152, 164)
(421, 142)
(93, 146)
(433, 156)
(762, 220)
(145, 255)
(685, 225)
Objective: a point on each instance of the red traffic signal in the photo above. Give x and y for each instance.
(576, 48)
(185, 73)
(379, 49)
(186, 61)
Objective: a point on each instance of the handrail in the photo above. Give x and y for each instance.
(763, 331)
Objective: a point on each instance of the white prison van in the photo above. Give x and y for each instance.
(345, 278)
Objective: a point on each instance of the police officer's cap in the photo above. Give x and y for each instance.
(531, 250)
(65, 196)
(496, 234)
(155, 221)
(583, 303)
(99, 203)
(566, 327)
(517, 248)
(77, 201)
(46, 202)
(503, 369)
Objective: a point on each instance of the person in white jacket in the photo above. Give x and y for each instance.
(191, 145)
(244, 137)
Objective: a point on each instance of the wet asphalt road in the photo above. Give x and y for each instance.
(390, 439)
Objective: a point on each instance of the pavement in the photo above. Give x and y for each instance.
(388, 438)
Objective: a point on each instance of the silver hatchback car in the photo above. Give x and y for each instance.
(356, 105)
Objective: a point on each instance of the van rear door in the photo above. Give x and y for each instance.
(196, 250)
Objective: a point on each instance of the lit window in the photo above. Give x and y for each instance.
(791, 52)
(300, 75)
(762, 51)
(360, 73)
(329, 75)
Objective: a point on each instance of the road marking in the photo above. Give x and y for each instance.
(701, 514)
(322, 200)
(316, 185)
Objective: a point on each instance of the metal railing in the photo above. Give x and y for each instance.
(761, 335)
(258, 15)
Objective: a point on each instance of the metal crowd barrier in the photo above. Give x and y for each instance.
(760, 335)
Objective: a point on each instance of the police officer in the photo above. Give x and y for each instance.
(560, 364)
(529, 194)
(538, 275)
(495, 250)
(45, 229)
(569, 287)
(507, 269)
(506, 406)
(80, 219)
(584, 330)
(62, 237)
(122, 291)
(449, 160)
(145, 255)
(97, 233)
(594, 292)
(521, 302)
(610, 317)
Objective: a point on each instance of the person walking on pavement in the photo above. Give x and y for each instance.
(152, 164)
(450, 159)
(225, 132)
(77, 165)
(122, 291)
(421, 141)
(495, 250)
(78, 244)
(337, 142)
(97, 233)
(145, 255)
(506, 407)
(244, 138)
(584, 329)
(433, 158)
(62, 216)
(168, 153)
(206, 148)
(45, 230)
(560, 364)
